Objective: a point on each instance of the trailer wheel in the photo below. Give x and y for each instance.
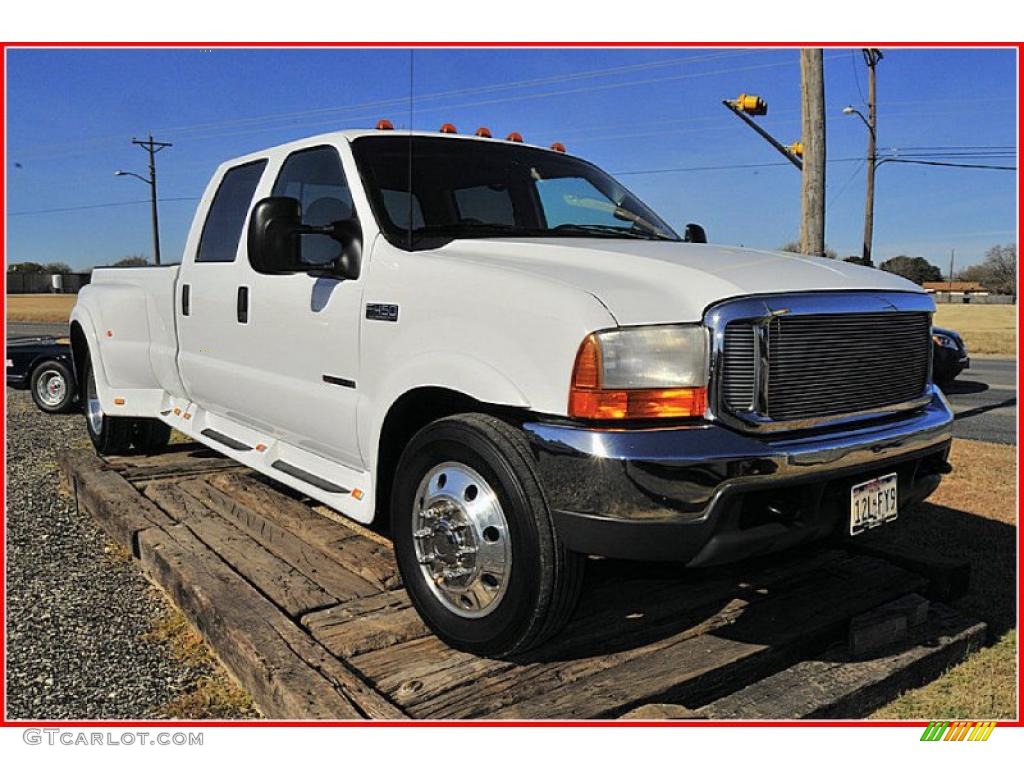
(476, 547)
(53, 387)
(109, 434)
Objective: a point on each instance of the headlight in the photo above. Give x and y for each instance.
(944, 341)
(641, 373)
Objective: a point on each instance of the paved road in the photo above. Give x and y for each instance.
(21, 330)
(984, 398)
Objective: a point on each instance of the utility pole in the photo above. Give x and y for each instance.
(949, 293)
(871, 57)
(812, 189)
(152, 147)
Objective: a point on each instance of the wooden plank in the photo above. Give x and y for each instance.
(626, 610)
(369, 624)
(177, 460)
(338, 581)
(109, 498)
(765, 637)
(289, 675)
(368, 559)
(284, 585)
(835, 686)
(949, 578)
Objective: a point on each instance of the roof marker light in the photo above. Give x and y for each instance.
(385, 125)
(515, 136)
(448, 128)
(558, 147)
(483, 132)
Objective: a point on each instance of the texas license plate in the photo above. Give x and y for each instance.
(872, 503)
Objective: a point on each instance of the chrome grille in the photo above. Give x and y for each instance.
(820, 366)
(739, 367)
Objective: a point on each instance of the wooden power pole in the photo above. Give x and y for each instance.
(812, 191)
(871, 57)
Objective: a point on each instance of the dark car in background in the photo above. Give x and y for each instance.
(43, 365)
(949, 356)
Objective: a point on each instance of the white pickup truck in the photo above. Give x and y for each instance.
(498, 352)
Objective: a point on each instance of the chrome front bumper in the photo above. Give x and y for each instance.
(705, 493)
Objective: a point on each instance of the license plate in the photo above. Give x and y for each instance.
(872, 503)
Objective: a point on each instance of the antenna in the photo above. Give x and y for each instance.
(412, 53)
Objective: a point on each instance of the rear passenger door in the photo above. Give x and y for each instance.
(213, 347)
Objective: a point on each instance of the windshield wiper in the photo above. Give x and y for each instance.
(606, 230)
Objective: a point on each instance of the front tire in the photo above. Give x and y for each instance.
(475, 544)
(53, 387)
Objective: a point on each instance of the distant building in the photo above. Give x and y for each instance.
(956, 291)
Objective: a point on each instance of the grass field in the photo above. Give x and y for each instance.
(39, 307)
(972, 515)
(988, 329)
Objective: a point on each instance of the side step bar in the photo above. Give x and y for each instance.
(230, 442)
(308, 477)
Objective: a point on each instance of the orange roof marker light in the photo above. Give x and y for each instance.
(385, 125)
(448, 128)
(558, 147)
(515, 136)
(484, 132)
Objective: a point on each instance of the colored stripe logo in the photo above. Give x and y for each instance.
(959, 730)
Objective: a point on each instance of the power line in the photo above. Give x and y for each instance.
(950, 165)
(98, 205)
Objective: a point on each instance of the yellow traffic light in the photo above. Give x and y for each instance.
(751, 105)
(797, 148)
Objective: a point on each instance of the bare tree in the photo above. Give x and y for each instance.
(998, 271)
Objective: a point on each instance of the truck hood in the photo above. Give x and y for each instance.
(643, 281)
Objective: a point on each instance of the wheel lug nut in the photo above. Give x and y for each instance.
(427, 559)
(423, 533)
(467, 550)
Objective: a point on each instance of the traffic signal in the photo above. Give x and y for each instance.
(751, 105)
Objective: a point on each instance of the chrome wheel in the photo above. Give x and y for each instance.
(51, 388)
(460, 535)
(93, 412)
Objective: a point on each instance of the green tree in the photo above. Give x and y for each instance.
(914, 268)
(793, 246)
(26, 266)
(132, 261)
(57, 268)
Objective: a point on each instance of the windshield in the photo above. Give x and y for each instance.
(472, 189)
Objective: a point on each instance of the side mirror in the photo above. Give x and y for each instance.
(694, 233)
(275, 246)
(273, 238)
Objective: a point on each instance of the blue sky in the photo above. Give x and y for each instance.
(72, 114)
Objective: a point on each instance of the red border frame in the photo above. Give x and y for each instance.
(4, 722)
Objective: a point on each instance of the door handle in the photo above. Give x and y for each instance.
(185, 295)
(242, 304)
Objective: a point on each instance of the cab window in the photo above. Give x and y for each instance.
(226, 218)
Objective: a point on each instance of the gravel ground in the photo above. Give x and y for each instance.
(77, 609)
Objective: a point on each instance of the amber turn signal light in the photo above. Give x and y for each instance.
(385, 125)
(515, 136)
(589, 400)
(448, 128)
